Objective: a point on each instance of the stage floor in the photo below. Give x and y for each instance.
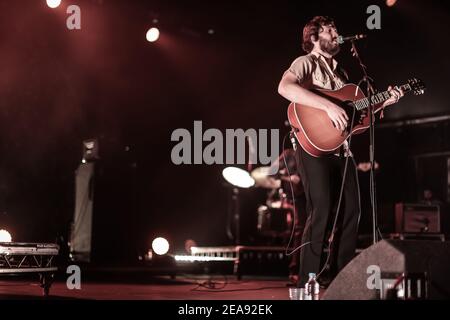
(186, 287)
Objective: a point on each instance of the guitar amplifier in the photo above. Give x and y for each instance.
(417, 218)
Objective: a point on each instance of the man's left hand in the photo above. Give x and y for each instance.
(396, 93)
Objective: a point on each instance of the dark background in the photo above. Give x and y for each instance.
(59, 87)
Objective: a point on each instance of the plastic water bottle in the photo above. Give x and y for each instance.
(312, 288)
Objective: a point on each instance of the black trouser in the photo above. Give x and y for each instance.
(322, 179)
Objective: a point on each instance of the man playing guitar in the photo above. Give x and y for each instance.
(322, 175)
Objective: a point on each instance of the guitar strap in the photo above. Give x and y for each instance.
(344, 150)
(339, 72)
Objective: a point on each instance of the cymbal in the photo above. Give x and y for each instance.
(263, 179)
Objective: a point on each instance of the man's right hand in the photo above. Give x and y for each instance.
(337, 116)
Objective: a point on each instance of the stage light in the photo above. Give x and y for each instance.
(185, 258)
(53, 3)
(160, 246)
(238, 177)
(152, 34)
(5, 236)
(390, 3)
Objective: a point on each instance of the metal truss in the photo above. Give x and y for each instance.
(20, 258)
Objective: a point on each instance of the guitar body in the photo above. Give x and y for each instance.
(313, 128)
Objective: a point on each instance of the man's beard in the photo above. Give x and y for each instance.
(329, 47)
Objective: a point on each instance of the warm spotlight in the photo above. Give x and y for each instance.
(238, 177)
(390, 3)
(160, 246)
(53, 3)
(5, 236)
(152, 34)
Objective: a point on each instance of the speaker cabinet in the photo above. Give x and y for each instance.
(81, 231)
(431, 258)
(417, 218)
(104, 227)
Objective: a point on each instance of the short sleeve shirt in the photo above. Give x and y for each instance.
(313, 72)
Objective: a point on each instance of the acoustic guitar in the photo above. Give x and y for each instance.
(315, 131)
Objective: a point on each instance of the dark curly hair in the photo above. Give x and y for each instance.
(312, 28)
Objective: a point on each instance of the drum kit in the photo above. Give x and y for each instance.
(276, 215)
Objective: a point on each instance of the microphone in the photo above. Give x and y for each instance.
(342, 39)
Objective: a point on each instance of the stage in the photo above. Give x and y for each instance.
(214, 150)
(186, 287)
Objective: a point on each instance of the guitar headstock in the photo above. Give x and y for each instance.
(417, 86)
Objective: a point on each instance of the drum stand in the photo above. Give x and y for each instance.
(234, 217)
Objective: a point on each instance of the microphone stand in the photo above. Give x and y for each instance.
(371, 111)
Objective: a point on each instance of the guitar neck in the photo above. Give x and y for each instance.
(378, 98)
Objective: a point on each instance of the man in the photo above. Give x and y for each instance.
(322, 176)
